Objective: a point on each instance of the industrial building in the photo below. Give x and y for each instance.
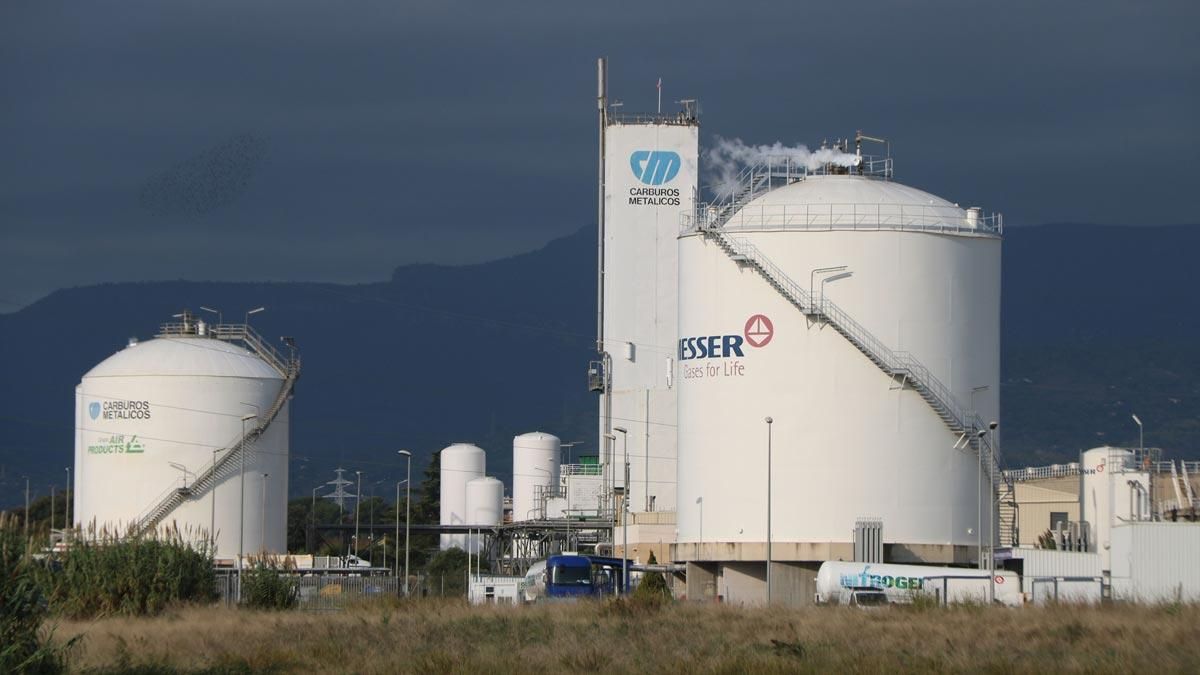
(188, 431)
(822, 334)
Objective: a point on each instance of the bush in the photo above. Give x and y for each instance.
(263, 587)
(132, 576)
(22, 608)
(653, 587)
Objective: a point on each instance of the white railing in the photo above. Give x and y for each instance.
(851, 216)
(1041, 472)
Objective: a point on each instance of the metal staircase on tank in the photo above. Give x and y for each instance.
(900, 366)
(287, 366)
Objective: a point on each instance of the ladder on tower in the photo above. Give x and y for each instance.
(207, 480)
(902, 367)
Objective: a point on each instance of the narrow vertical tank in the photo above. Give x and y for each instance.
(460, 464)
(485, 506)
(535, 468)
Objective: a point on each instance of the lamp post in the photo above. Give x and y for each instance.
(700, 503)
(220, 319)
(769, 422)
(312, 545)
(357, 503)
(212, 515)
(256, 310)
(979, 477)
(979, 521)
(992, 505)
(67, 519)
(242, 502)
(262, 523)
(624, 513)
(1141, 444)
(820, 270)
(825, 280)
(407, 502)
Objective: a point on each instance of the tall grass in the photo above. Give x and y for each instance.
(263, 587)
(23, 610)
(448, 636)
(102, 574)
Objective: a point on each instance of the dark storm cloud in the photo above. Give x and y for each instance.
(459, 131)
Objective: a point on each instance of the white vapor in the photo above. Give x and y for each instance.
(725, 160)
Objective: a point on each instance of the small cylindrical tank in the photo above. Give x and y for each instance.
(535, 468)
(460, 464)
(485, 506)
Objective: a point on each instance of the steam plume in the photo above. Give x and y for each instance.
(729, 156)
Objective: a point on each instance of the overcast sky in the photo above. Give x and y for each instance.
(335, 140)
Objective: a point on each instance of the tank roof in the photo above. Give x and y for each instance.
(184, 356)
(817, 189)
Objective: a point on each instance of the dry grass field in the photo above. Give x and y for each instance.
(444, 636)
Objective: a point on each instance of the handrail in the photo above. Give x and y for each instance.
(827, 216)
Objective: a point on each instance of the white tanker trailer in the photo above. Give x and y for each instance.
(901, 583)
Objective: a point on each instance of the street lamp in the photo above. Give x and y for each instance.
(979, 520)
(407, 502)
(769, 422)
(256, 310)
(242, 501)
(220, 319)
(70, 488)
(357, 503)
(820, 270)
(1141, 444)
(212, 516)
(836, 277)
(625, 513)
(992, 505)
(314, 518)
(262, 523)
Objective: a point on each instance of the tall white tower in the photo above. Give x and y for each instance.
(649, 172)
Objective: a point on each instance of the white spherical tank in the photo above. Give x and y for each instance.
(151, 421)
(461, 463)
(485, 505)
(535, 467)
(910, 274)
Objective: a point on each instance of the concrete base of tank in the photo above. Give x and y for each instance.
(737, 572)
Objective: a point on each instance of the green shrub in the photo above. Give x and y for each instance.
(103, 574)
(263, 587)
(22, 608)
(653, 587)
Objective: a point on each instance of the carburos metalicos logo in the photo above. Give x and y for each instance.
(654, 167)
(120, 410)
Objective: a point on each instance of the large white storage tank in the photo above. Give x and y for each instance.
(461, 463)
(913, 274)
(151, 420)
(485, 505)
(535, 470)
